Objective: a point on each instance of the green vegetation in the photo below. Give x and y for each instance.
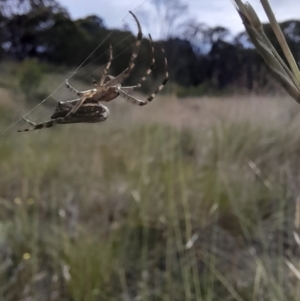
(30, 77)
(288, 76)
(193, 199)
(146, 210)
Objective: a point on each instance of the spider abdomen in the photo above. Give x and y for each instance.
(89, 112)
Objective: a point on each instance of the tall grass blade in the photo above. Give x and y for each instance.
(289, 77)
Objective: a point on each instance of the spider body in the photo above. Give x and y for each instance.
(89, 112)
(87, 108)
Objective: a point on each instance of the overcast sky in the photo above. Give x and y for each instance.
(212, 12)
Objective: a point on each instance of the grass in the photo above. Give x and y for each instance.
(287, 75)
(184, 199)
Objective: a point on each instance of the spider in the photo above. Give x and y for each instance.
(87, 108)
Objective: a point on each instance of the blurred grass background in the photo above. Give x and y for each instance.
(184, 199)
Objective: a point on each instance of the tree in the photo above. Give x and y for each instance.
(26, 34)
(30, 76)
(10, 8)
(24, 23)
(170, 15)
(92, 24)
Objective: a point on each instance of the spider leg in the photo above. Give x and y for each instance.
(69, 101)
(77, 106)
(149, 70)
(130, 87)
(105, 70)
(121, 77)
(164, 82)
(38, 126)
(116, 80)
(83, 94)
(103, 76)
(28, 121)
(73, 89)
(130, 98)
(80, 93)
(139, 102)
(151, 67)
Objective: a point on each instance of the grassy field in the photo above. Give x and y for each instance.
(184, 199)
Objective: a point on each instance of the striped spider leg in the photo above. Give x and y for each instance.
(137, 101)
(102, 92)
(107, 92)
(89, 112)
(87, 108)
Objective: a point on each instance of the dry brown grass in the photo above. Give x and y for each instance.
(207, 111)
(106, 210)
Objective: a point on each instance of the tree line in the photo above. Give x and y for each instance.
(199, 56)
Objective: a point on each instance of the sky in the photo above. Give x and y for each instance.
(211, 12)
